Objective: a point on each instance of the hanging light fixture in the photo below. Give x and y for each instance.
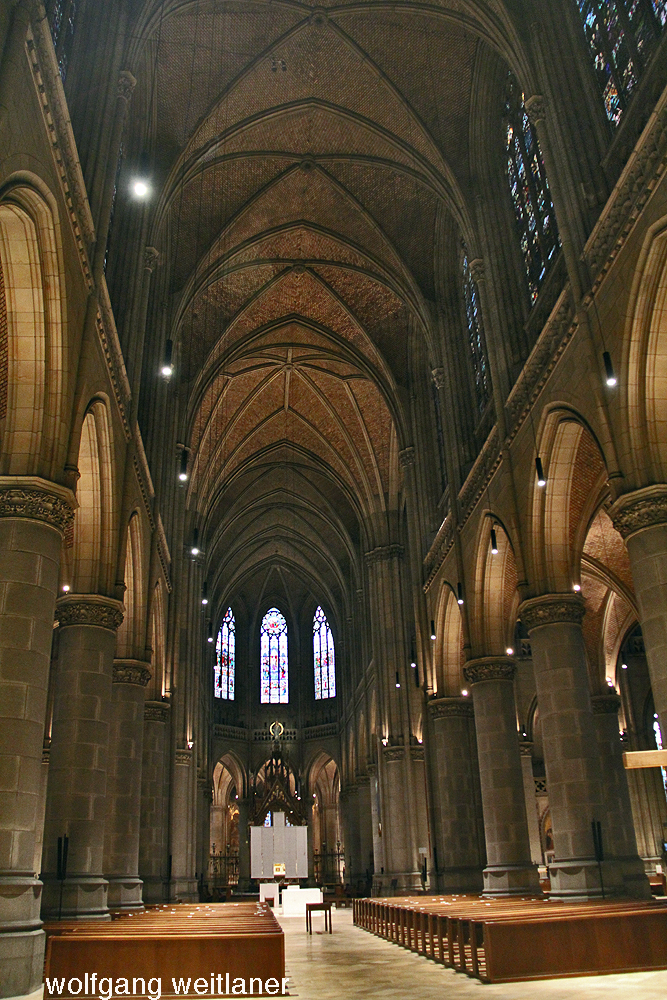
(494, 542)
(433, 632)
(398, 682)
(195, 542)
(204, 593)
(610, 374)
(183, 474)
(459, 593)
(210, 632)
(167, 364)
(541, 478)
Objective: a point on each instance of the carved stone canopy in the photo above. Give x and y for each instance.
(489, 668)
(131, 672)
(552, 609)
(37, 500)
(89, 609)
(645, 508)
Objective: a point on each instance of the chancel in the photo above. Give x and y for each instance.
(333, 486)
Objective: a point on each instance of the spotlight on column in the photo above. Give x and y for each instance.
(464, 692)
(195, 542)
(204, 593)
(494, 542)
(624, 666)
(541, 478)
(459, 593)
(167, 365)
(65, 588)
(433, 633)
(183, 474)
(509, 651)
(210, 632)
(610, 374)
(190, 744)
(576, 587)
(398, 682)
(140, 188)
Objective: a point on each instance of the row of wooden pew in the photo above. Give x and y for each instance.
(514, 939)
(179, 942)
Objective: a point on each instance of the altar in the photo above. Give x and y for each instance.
(294, 900)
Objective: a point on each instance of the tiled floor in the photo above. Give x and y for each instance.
(352, 964)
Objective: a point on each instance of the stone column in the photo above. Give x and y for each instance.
(621, 838)
(364, 832)
(123, 816)
(571, 754)
(641, 518)
(183, 831)
(349, 809)
(531, 801)
(509, 869)
(76, 794)
(34, 515)
(457, 804)
(244, 846)
(154, 795)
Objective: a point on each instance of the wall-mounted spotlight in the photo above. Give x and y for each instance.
(494, 542)
(464, 692)
(167, 364)
(541, 478)
(398, 682)
(509, 651)
(624, 666)
(190, 744)
(204, 593)
(195, 542)
(210, 632)
(610, 374)
(183, 473)
(459, 593)
(65, 588)
(140, 188)
(433, 632)
(576, 587)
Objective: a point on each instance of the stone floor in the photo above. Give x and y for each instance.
(352, 964)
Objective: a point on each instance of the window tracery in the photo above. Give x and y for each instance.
(621, 35)
(476, 339)
(273, 659)
(323, 657)
(529, 188)
(62, 20)
(225, 659)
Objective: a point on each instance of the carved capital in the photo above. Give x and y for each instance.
(451, 708)
(489, 668)
(417, 753)
(645, 508)
(383, 553)
(552, 609)
(536, 106)
(151, 257)
(438, 376)
(156, 711)
(183, 756)
(126, 85)
(526, 748)
(89, 609)
(131, 672)
(407, 457)
(37, 500)
(393, 753)
(605, 704)
(477, 270)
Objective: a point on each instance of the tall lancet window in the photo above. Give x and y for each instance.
(273, 659)
(534, 212)
(476, 341)
(324, 659)
(62, 20)
(225, 658)
(621, 35)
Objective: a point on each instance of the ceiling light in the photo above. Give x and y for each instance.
(140, 188)
(167, 365)
(398, 683)
(433, 634)
(459, 593)
(195, 542)
(576, 587)
(204, 593)
(183, 474)
(210, 632)
(541, 478)
(624, 666)
(65, 588)
(610, 375)
(464, 692)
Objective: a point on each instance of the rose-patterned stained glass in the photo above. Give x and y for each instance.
(324, 659)
(621, 35)
(476, 341)
(273, 677)
(225, 658)
(529, 188)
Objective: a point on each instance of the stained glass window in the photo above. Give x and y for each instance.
(658, 742)
(225, 659)
(267, 819)
(533, 209)
(621, 35)
(62, 19)
(476, 341)
(273, 659)
(323, 657)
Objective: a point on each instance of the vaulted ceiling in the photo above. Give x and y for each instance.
(302, 158)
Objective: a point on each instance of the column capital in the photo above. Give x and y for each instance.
(605, 704)
(126, 84)
(489, 668)
(183, 756)
(451, 708)
(645, 508)
(526, 748)
(477, 270)
(391, 753)
(383, 553)
(156, 711)
(151, 257)
(536, 106)
(37, 500)
(131, 672)
(89, 609)
(407, 457)
(438, 376)
(552, 609)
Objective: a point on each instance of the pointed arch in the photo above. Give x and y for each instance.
(130, 641)
(497, 602)
(448, 659)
